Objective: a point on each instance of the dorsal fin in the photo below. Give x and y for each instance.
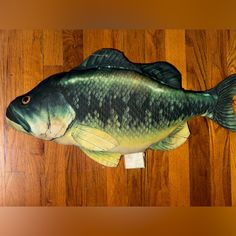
(108, 58)
(163, 72)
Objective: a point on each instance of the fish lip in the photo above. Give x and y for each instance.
(12, 115)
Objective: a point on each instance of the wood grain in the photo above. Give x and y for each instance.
(3, 76)
(231, 68)
(33, 172)
(52, 48)
(219, 138)
(199, 147)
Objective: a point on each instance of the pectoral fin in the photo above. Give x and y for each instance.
(105, 158)
(93, 139)
(174, 140)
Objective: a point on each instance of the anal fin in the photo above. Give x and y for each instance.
(174, 140)
(108, 159)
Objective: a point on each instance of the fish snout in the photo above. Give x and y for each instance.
(10, 114)
(16, 118)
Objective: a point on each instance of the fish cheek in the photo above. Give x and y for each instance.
(60, 116)
(38, 124)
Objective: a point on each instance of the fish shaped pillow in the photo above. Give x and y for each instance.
(109, 106)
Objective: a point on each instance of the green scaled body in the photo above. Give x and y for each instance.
(109, 106)
(129, 106)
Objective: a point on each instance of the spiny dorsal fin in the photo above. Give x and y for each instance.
(108, 58)
(163, 72)
(174, 140)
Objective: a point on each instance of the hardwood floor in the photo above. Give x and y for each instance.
(33, 172)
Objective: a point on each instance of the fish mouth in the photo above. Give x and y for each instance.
(15, 117)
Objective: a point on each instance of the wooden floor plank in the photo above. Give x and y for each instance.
(15, 189)
(231, 66)
(3, 79)
(219, 137)
(199, 146)
(3, 76)
(54, 180)
(2, 191)
(72, 48)
(52, 48)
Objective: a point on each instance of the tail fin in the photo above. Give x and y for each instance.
(223, 113)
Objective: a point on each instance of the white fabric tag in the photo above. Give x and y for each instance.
(134, 160)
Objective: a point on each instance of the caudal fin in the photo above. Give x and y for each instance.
(223, 112)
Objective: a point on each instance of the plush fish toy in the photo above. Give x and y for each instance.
(109, 106)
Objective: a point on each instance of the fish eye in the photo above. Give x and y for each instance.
(25, 100)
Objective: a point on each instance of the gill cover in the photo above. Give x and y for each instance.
(52, 119)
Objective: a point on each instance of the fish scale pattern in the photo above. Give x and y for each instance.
(127, 102)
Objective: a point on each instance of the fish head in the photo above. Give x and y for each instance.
(43, 112)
